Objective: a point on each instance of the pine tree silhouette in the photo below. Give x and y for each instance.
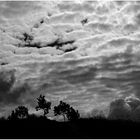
(21, 112)
(43, 105)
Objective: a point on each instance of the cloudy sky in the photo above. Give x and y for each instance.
(83, 52)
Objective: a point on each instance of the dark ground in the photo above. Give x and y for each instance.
(82, 128)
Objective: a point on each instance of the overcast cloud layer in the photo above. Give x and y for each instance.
(85, 53)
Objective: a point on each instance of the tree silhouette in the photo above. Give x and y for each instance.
(73, 114)
(21, 112)
(12, 116)
(66, 110)
(61, 109)
(43, 104)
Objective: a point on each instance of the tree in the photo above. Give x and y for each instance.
(21, 112)
(12, 116)
(61, 109)
(67, 111)
(43, 104)
(73, 114)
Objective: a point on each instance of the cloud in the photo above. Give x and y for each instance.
(12, 9)
(7, 80)
(12, 92)
(132, 7)
(119, 110)
(133, 102)
(53, 53)
(86, 7)
(127, 109)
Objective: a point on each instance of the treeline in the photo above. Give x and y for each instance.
(64, 109)
(21, 124)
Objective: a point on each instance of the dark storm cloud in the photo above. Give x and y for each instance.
(7, 80)
(9, 94)
(119, 109)
(128, 108)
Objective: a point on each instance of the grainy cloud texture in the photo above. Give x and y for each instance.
(83, 52)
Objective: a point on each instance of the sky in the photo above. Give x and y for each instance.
(85, 53)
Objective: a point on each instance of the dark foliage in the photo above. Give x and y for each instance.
(61, 109)
(67, 111)
(43, 104)
(73, 114)
(21, 112)
(20, 124)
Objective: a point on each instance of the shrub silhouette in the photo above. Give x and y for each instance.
(66, 110)
(21, 112)
(73, 114)
(43, 104)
